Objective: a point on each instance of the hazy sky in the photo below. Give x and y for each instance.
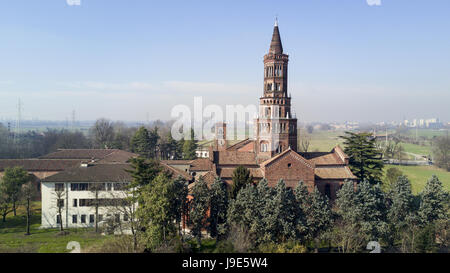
(122, 59)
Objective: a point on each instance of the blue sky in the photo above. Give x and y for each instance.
(123, 59)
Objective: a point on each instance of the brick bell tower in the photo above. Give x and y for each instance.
(275, 127)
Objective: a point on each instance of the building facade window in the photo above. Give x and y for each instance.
(83, 219)
(60, 203)
(91, 218)
(74, 219)
(75, 202)
(59, 186)
(58, 219)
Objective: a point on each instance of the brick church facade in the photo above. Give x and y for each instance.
(272, 153)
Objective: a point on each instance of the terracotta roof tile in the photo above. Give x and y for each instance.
(80, 153)
(39, 164)
(334, 173)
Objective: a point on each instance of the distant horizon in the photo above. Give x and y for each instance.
(132, 62)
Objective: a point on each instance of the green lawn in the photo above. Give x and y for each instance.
(13, 238)
(419, 175)
(322, 141)
(417, 149)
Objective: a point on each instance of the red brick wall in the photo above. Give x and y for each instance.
(291, 174)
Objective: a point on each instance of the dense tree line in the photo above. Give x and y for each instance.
(281, 219)
(150, 142)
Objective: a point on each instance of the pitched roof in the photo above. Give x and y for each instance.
(228, 172)
(334, 173)
(201, 164)
(323, 158)
(93, 173)
(236, 158)
(39, 164)
(239, 144)
(176, 172)
(118, 156)
(85, 154)
(284, 153)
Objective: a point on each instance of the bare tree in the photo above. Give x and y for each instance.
(304, 144)
(29, 191)
(59, 194)
(126, 205)
(95, 189)
(102, 133)
(441, 152)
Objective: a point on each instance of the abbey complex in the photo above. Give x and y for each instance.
(271, 154)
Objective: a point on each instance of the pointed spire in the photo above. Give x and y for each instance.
(275, 46)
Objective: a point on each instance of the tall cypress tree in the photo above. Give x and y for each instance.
(365, 159)
(218, 209)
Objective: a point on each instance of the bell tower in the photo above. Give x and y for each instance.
(275, 127)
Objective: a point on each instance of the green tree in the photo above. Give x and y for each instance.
(168, 147)
(199, 207)
(153, 142)
(302, 200)
(241, 177)
(189, 147)
(141, 143)
(5, 202)
(218, 210)
(143, 171)
(402, 207)
(244, 212)
(371, 210)
(392, 174)
(434, 202)
(347, 232)
(180, 201)
(13, 180)
(364, 157)
(156, 211)
(279, 215)
(319, 217)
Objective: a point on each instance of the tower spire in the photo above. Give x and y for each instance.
(275, 45)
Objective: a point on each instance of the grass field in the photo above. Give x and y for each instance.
(13, 238)
(323, 141)
(419, 175)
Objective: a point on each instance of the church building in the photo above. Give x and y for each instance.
(272, 153)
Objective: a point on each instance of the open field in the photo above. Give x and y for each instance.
(322, 141)
(13, 238)
(419, 175)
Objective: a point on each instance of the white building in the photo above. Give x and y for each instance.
(73, 190)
